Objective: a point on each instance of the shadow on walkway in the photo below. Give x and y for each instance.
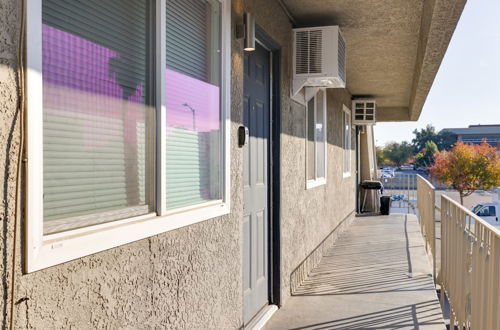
(376, 276)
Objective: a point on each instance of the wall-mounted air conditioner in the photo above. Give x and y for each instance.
(319, 58)
(364, 112)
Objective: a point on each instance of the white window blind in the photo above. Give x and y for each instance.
(194, 137)
(96, 115)
(346, 140)
(311, 143)
(320, 133)
(316, 137)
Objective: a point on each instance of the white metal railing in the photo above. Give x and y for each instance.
(470, 267)
(426, 198)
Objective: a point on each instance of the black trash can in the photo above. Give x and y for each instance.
(385, 205)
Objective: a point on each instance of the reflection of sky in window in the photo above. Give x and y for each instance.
(77, 76)
(185, 95)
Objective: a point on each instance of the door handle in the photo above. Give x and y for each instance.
(243, 136)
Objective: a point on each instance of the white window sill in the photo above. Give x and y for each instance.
(346, 175)
(315, 183)
(70, 245)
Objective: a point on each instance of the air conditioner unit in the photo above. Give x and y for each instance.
(319, 58)
(364, 112)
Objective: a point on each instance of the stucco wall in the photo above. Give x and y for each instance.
(310, 215)
(187, 278)
(190, 277)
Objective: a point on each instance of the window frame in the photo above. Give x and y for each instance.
(346, 147)
(48, 250)
(317, 181)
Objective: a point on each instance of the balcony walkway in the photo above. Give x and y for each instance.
(376, 276)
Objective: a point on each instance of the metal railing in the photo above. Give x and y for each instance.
(469, 267)
(426, 198)
(403, 188)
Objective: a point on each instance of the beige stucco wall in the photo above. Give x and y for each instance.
(309, 215)
(190, 277)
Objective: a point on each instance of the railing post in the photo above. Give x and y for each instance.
(433, 231)
(408, 191)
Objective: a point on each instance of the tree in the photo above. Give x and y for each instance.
(467, 168)
(380, 155)
(445, 140)
(421, 137)
(425, 158)
(399, 153)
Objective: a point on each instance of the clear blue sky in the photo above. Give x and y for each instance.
(467, 87)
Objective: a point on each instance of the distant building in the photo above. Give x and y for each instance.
(476, 133)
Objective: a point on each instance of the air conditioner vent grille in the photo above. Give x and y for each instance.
(341, 57)
(302, 52)
(364, 112)
(319, 58)
(309, 52)
(315, 51)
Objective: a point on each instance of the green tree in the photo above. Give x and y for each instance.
(467, 167)
(398, 153)
(425, 158)
(422, 136)
(380, 155)
(445, 140)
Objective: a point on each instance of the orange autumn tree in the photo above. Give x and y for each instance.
(467, 168)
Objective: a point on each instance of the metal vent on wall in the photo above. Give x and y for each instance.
(341, 57)
(309, 50)
(364, 112)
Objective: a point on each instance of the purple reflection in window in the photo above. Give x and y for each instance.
(191, 103)
(81, 82)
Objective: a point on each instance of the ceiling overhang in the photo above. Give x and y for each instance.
(394, 47)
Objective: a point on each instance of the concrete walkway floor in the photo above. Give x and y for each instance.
(376, 276)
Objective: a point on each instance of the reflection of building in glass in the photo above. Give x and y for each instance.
(94, 126)
(193, 140)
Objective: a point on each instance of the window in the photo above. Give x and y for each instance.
(487, 211)
(346, 124)
(192, 97)
(316, 140)
(127, 121)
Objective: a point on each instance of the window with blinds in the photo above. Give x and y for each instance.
(346, 140)
(316, 137)
(193, 92)
(97, 118)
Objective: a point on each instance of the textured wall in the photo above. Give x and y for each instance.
(187, 278)
(309, 216)
(9, 137)
(190, 277)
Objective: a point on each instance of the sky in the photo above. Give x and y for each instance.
(467, 86)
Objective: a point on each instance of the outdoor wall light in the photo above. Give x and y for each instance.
(249, 24)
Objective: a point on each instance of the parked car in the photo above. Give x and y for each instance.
(489, 212)
(387, 172)
(385, 175)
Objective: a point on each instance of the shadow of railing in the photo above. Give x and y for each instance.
(413, 316)
(355, 267)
